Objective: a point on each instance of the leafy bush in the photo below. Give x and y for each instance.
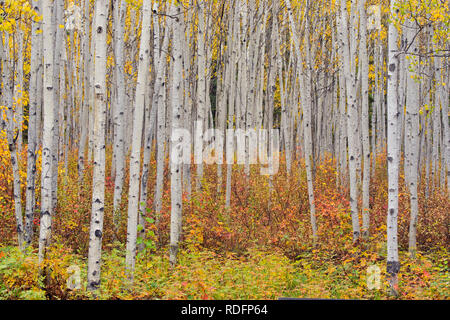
(258, 248)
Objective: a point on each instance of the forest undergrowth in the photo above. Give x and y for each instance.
(259, 248)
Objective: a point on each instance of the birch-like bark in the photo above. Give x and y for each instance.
(342, 124)
(12, 132)
(119, 110)
(188, 92)
(436, 119)
(64, 96)
(84, 114)
(98, 184)
(352, 110)
(176, 139)
(375, 114)
(201, 93)
(48, 131)
(35, 65)
(306, 104)
(412, 136)
(284, 113)
(19, 87)
(147, 140)
(363, 56)
(160, 103)
(91, 88)
(446, 130)
(393, 264)
(381, 115)
(271, 86)
(135, 159)
(232, 100)
(58, 41)
(221, 109)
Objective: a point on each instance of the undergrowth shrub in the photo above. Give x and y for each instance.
(264, 214)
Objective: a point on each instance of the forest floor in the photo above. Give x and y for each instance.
(257, 274)
(259, 248)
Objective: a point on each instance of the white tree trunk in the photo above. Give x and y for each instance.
(201, 92)
(363, 56)
(393, 264)
(98, 184)
(48, 131)
(177, 140)
(446, 134)
(160, 103)
(12, 132)
(84, 114)
(138, 117)
(120, 108)
(306, 105)
(352, 110)
(412, 137)
(35, 65)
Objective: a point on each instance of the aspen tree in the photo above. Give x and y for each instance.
(221, 107)
(135, 158)
(35, 65)
(119, 110)
(19, 84)
(393, 264)
(84, 114)
(446, 129)
(342, 114)
(98, 183)
(177, 140)
(91, 89)
(346, 37)
(363, 54)
(48, 131)
(412, 135)
(160, 103)
(201, 91)
(12, 133)
(188, 92)
(58, 39)
(232, 101)
(271, 84)
(306, 105)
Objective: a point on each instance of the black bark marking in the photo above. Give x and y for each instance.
(393, 267)
(44, 213)
(94, 285)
